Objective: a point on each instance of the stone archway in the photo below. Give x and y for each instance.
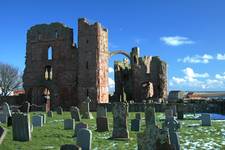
(120, 52)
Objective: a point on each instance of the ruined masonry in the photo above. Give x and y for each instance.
(60, 72)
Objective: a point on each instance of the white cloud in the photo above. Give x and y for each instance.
(220, 57)
(111, 82)
(196, 59)
(178, 80)
(176, 40)
(220, 77)
(191, 76)
(111, 70)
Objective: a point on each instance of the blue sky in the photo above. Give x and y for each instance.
(187, 34)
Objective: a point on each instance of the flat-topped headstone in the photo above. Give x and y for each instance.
(50, 114)
(84, 139)
(69, 124)
(3, 117)
(135, 124)
(180, 111)
(2, 134)
(25, 108)
(120, 113)
(138, 116)
(44, 117)
(86, 114)
(6, 109)
(150, 121)
(75, 113)
(59, 110)
(70, 147)
(101, 110)
(102, 124)
(79, 126)
(37, 121)
(21, 127)
(206, 120)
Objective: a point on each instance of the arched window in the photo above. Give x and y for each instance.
(48, 73)
(50, 53)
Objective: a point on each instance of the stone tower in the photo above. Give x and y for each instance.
(93, 62)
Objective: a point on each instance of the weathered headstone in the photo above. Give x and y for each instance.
(59, 110)
(138, 116)
(70, 147)
(50, 114)
(21, 127)
(86, 114)
(2, 134)
(173, 125)
(102, 124)
(206, 120)
(84, 139)
(135, 125)
(120, 113)
(69, 124)
(25, 108)
(3, 117)
(44, 117)
(180, 111)
(37, 121)
(75, 113)
(79, 126)
(101, 110)
(6, 109)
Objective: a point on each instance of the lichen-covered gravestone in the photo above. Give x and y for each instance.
(86, 114)
(102, 120)
(84, 139)
(70, 147)
(37, 121)
(120, 113)
(79, 126)
(21, 127)
(69, 124)
(75, 113)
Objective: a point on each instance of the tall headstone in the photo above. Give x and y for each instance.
(79, 126)
(2, 134)
(21, 127)
(206, 120)
(37, 121)
(75, 113)
(84, 139)
(180, 111)
(69, 124)
(102, 120)
(101, 110)
(70, 147)
(59, 110)
(6, 109)
(25, 108)
(120, 113)
(86, 109)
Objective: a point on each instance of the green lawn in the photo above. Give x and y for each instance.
(52, 135)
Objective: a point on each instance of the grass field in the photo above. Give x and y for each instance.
(52, 135)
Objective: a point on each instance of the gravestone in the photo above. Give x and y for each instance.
(37, 121)
(135, 125)
(44, 117)
(84, 139)
(180, 111)
(101, 110)
(138, 116)
(206, 120)
(25, 108)
(86, 109)
(9, 122)
(70, 147)
(59, 110)
(153, 138)
(75, 113)
(6, 109)
(102, 124)
(79, 126)
(120, 113)
(3, 117)
(69, 124)
(50, 114)
(2, 134)
(173, 125)
(21, 127)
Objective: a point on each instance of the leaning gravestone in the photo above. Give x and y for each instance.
(25, 108)
(120, 113)
(75, 113)
(79, 126)
(50, 114)
(86, 114)
(59, 110)
(21, 127)
(37, 121)
(69, 124)
(135, 125)
(206, 120)
(102, 120)
(173, 125)
(84, 139)
(70, 147)
(2, 134)
(6, 109)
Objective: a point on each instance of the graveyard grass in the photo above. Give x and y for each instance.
(52, 135)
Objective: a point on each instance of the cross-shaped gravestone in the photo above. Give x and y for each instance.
(86, 109)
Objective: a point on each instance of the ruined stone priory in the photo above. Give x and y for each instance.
(60, 72)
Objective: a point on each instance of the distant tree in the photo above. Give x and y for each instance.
(10, 79)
